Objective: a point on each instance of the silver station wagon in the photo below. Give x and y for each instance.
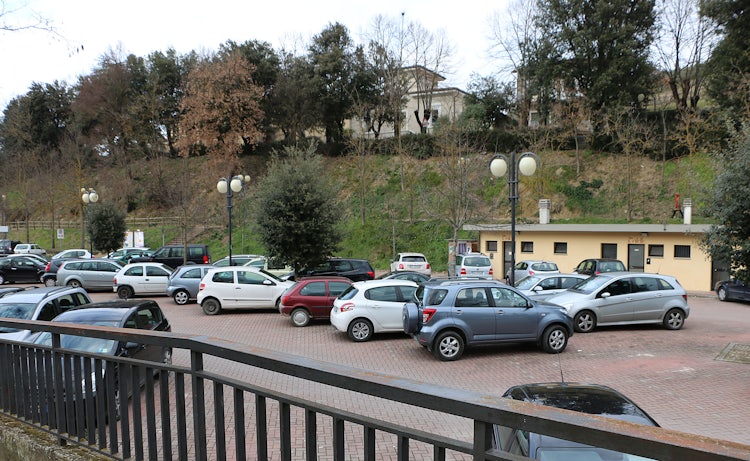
(620, 298)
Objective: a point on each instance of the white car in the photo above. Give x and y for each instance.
(415, 262)
(79, 253)
(29, 248)
(146, 278)
(240, 287)
(372, 306)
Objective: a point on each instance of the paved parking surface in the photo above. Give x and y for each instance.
(679, 377)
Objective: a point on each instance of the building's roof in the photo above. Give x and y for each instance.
(595, 228)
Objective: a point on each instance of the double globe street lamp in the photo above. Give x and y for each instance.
(229, 187)
(525, 164)
(88, 196)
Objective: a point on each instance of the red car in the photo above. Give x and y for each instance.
(312, 298)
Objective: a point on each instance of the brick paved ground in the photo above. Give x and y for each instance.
(674, 375)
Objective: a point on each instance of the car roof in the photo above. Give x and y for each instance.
(384, 282)
(595, 399)
(328, 278)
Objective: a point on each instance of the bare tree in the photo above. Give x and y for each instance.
(684, 44)
(513, 32)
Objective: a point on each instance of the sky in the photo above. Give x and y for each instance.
(87, 29)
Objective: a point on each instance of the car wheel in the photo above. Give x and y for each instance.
(181, 297)
(674, 320)
(449, 346)
(125, 292)
(360, 330)
(584, 322)
(76, 284)
(300, 317)
(211, 306)
(410, 317)
(49, 282)
(722, 293)
(554, 339)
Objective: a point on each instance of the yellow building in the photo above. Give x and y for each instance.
(671, 249)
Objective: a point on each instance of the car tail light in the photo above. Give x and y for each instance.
(346, 307)
(427, 266)
(114, 281)
(401, 266)
(205, 259)
(491, 272)
(531, 272)
(46, 268)
(201, 286)
(371, 274)
(284, 300)
(463, 271)
(684, 297)
(427, 314)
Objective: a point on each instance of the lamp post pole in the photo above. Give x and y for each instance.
(229, 187)
(525, 164)
(88, 196)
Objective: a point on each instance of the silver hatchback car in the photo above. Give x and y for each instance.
(620, 298)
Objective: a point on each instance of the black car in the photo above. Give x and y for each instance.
(144, 314)
(20, 269)
(356, 270)
(174, 255)
(6, 246)
(594, 399)
(732, 290)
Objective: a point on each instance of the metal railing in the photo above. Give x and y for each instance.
(156, 410)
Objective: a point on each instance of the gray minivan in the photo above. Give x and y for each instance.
(473, 265)
(91, 274)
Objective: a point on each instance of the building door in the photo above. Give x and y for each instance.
(635, 257)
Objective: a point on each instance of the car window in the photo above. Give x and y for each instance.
(664, 285)
(413, 259)
(388, 294)
(156, 272)
(336, 288)
(197, 252)
(250, 278)
(313, 289)
(223, 277)
(640, 284)
(108, 267)
(476, 261)
(434, 297)
(544, 267)
(549, 283)
(136, 271)
(342, 266)
(176, 252)
(472, 297)
(48, 312)
(507, 298)
(349, 293)
(194, 273)
(407, 293)
(618, 287)
(567, 282)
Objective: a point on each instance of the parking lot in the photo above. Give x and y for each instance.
(695, 380)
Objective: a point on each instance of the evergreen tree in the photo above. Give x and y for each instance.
(107, 227)
(297, 215)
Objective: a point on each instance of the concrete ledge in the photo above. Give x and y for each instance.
(22, 442)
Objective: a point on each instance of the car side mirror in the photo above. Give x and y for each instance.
(268, 282)
(538, 288)
(606, 294)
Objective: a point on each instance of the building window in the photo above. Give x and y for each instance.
(527, 247)
(491, 245)
(656, 251)
(609, 250)
(682, 251)
(561, 248)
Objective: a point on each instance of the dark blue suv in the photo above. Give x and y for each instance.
(449, 315)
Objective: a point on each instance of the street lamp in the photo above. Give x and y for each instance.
(229, 187)
(88, 196)
(525, 164)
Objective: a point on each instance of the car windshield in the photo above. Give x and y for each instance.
(21, 311)
(82, 343)
(270, 275)
(477, 261)
(590, 284)
(544, 267)
(527, 283)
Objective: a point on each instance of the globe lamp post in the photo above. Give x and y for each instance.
(229, 187)
(523, 164)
